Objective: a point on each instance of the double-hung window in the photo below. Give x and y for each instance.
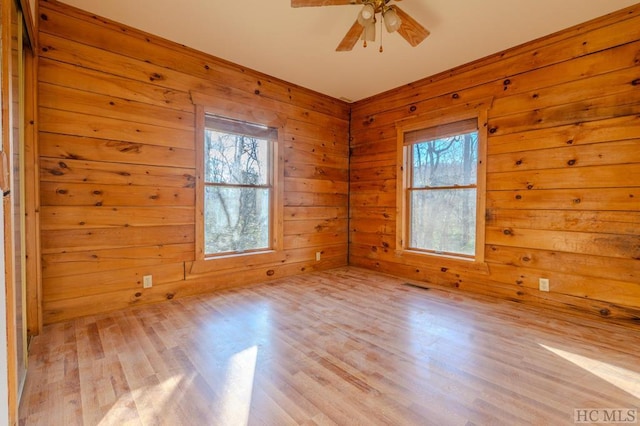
(238, 186)
(442, 191)
(441, 196)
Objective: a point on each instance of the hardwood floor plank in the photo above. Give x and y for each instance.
(346, 346)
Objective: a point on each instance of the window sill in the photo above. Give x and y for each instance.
(234, 261)
(444, 262)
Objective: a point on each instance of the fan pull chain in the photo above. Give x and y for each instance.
(381, 32)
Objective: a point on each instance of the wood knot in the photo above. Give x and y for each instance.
(529, 186)
(526, 259)
(206, 67)
(170, 296)
(455, 96)
(570, 142)
(507, 82)
(62, 191)
(519, 163)
(444, 269)
(636, 82)
(518, 197)
(492, 130)
(413, 108)
(605, 312)
(44, 17)
(577, 201)
(270, 272)
(571, 162)
(507, 232)
(138, 294)
(257, 92)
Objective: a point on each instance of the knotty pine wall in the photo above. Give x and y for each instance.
(563, 183)
(116, 144)
(117, 166)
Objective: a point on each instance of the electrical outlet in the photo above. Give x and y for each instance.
(543, 284)
(318, 255)
(147, 281)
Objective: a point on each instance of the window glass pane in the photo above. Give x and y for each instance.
(446, 161)
(235, 159)
(443, 220)
(236, 219)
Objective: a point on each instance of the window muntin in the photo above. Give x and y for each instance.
(442, 189)
(238, 186)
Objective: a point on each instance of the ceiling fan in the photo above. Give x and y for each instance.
(394, 18)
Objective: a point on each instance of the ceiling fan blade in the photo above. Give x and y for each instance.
(312, 3)
(410, 29)
(351, 38)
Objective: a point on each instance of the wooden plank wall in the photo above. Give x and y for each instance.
(563, 183)
(117, 166)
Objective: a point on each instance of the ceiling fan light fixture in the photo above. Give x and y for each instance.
(391, 20)
(395, 19)
(366, 15)
(369, 33)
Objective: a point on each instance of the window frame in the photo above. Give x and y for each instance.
(235, 128)
(208, 105)
(442, 117)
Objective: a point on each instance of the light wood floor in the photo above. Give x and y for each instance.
(346, 346)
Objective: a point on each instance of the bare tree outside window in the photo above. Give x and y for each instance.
(238, 186)
(442, 194)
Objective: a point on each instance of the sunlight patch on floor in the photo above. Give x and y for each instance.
(238, 387)
(159, 395)
(622, 378)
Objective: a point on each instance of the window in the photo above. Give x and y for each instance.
(441, 196)
(442, 190)
(238, 186)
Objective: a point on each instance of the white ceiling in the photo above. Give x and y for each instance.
(298, 44)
